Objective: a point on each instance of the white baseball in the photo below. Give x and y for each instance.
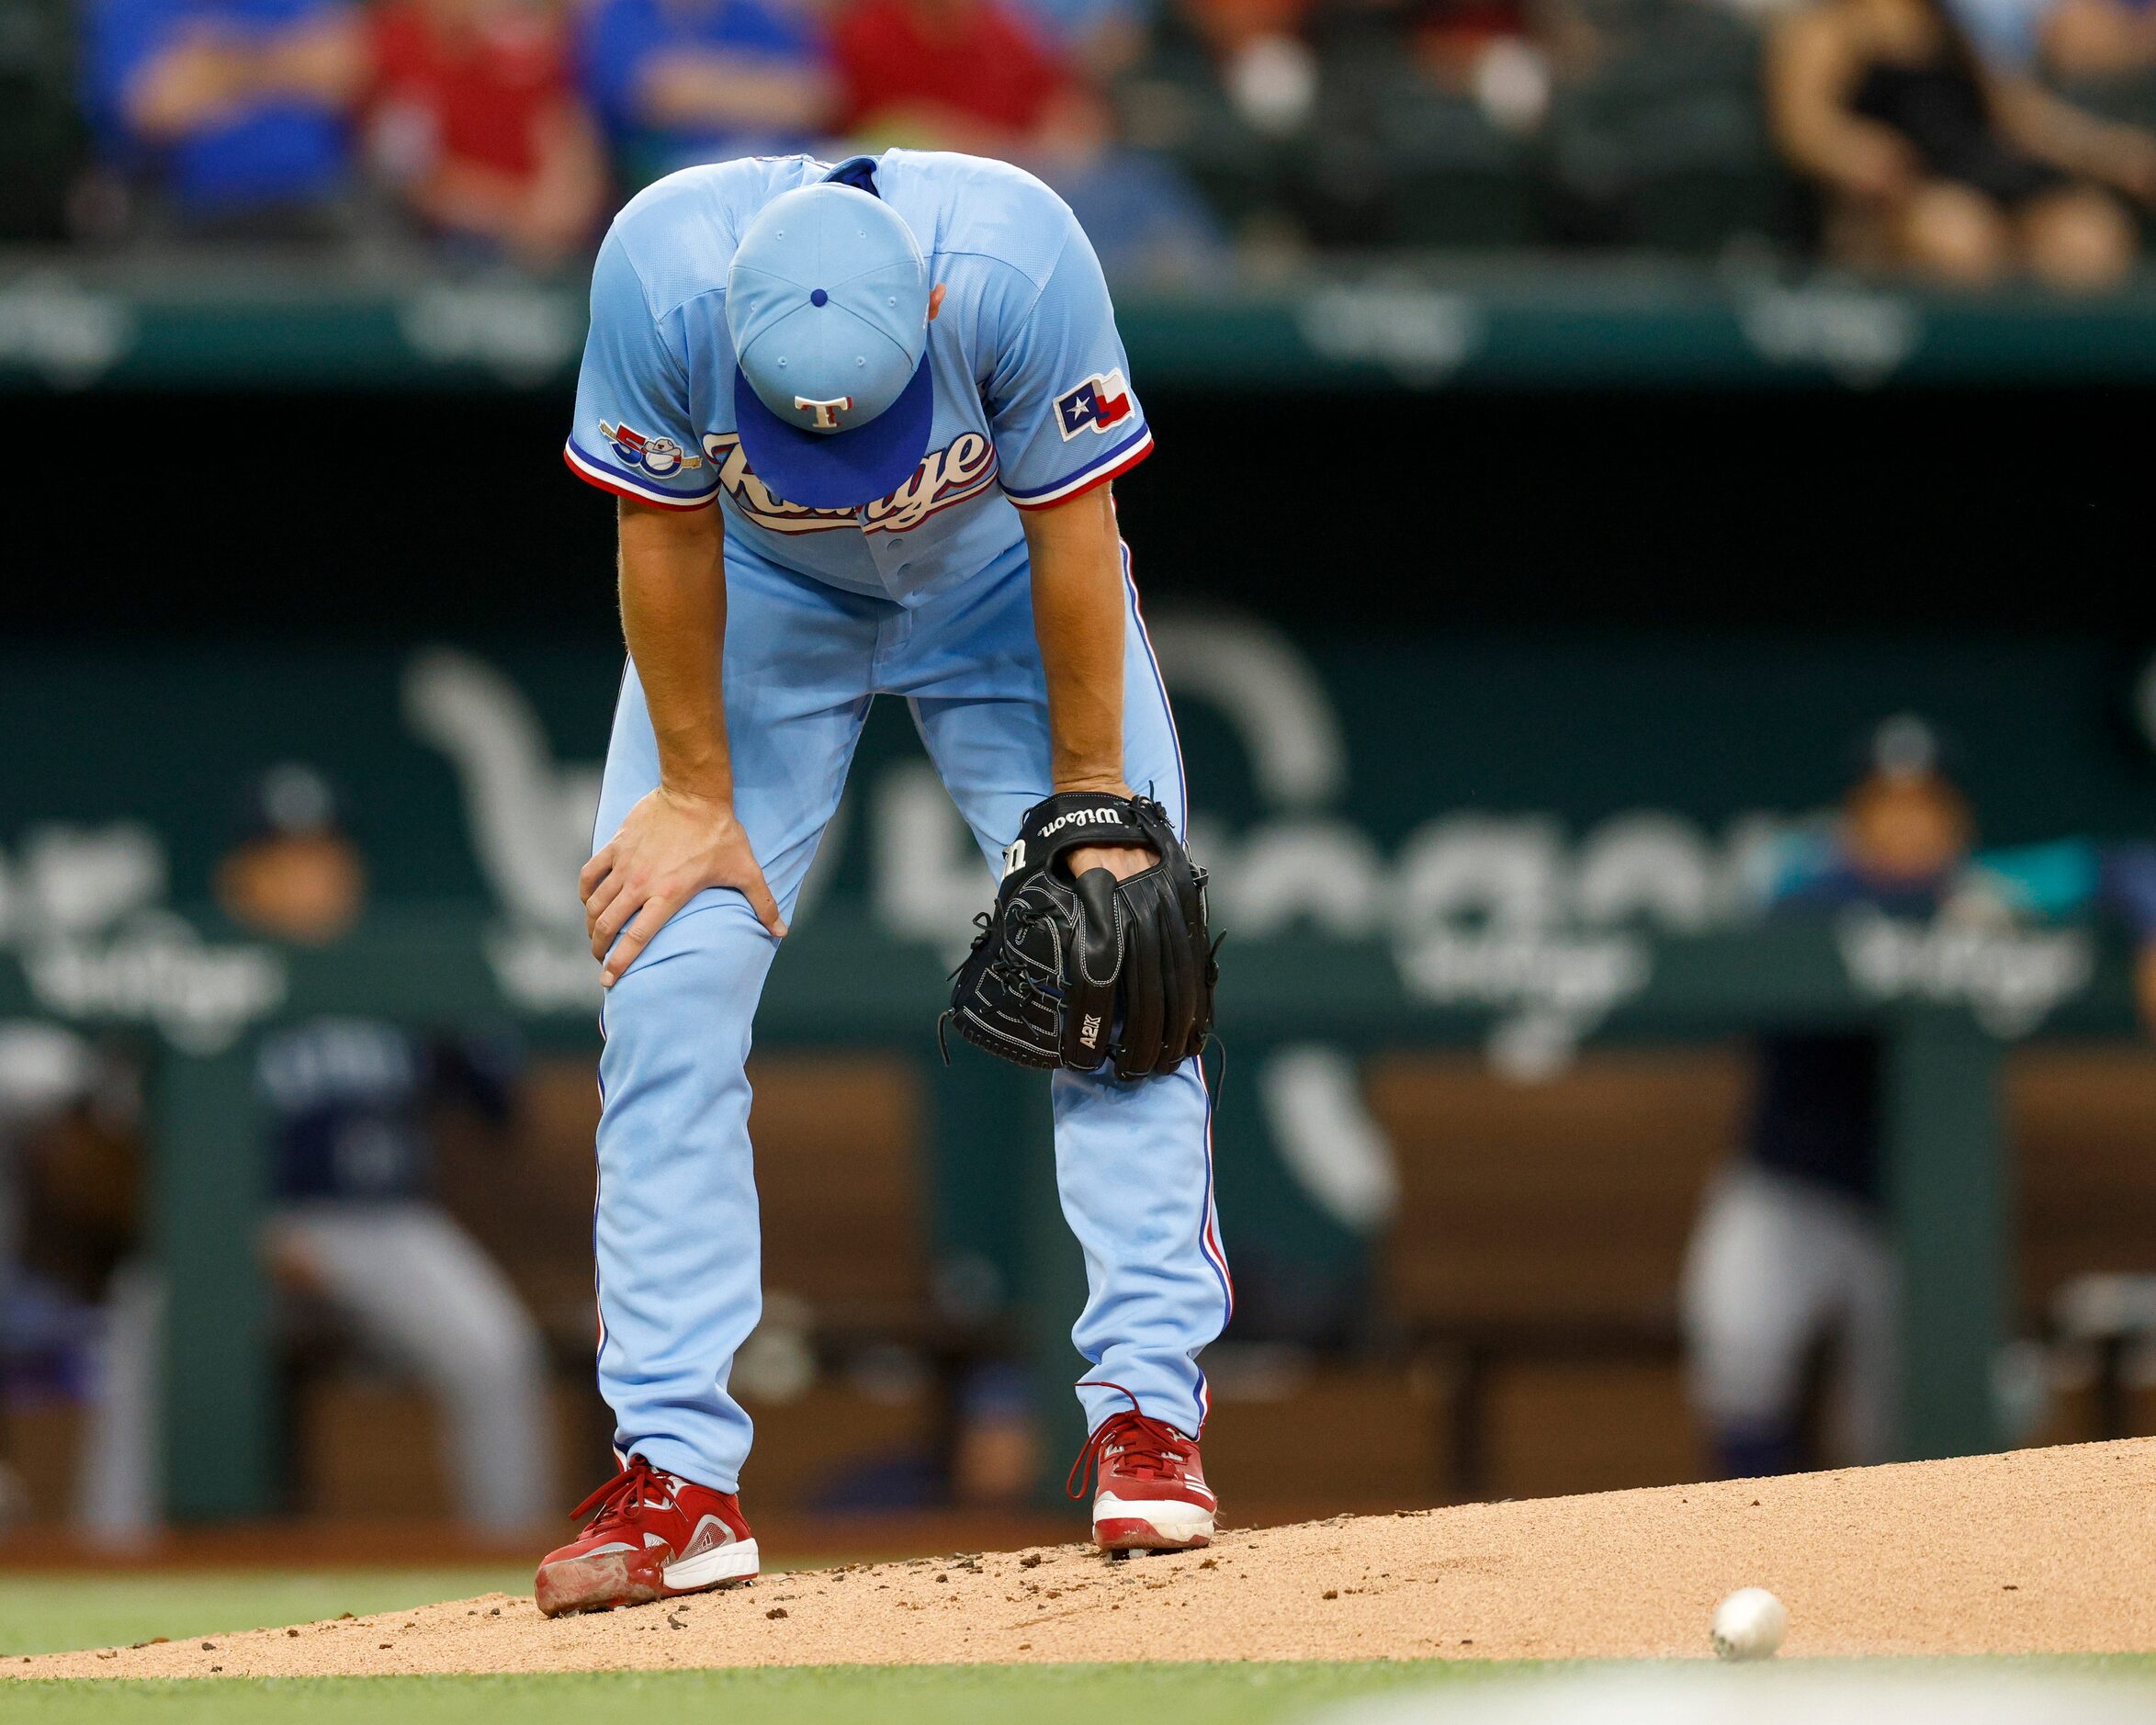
(1750, 1624)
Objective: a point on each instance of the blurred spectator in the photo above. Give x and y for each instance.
(1790, 1252)
(1933, 161)
(354, 1230)
(979, 75)
(1451, 37)
(679, 81)
(2098, 39)
(1229, 89)
(1102, 37)
(43, 1071)
(232, 116)
(80, 1310)
(1263, 57)
(475, 118)
(976, 75)
(1504, 52)
(2005, 33)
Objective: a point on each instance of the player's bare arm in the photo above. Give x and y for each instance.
(1077, 561)
(682, 836)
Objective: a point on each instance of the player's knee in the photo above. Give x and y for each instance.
(712, 951)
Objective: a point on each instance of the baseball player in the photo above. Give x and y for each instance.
(355, 1224)
(862, 420)
(1791, 1246)
(1792, 1249)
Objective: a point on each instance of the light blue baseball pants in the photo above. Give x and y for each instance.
(676, 1229)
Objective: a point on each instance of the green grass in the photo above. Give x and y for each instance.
(50, 1613)
(820, 1695)
(816, 1695)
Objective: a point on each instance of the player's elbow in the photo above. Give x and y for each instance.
(1085, 521)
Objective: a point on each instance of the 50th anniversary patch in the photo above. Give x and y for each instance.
(659, 456)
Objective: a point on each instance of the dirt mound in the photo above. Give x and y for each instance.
(2043, 1551)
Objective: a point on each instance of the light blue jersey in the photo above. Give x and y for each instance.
(924, 595)
(1033, 397)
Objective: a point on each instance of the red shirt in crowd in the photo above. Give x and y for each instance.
(474, 93)
(975, 57)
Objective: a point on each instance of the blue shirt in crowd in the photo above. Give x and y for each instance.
(284, 152)
(622, 38)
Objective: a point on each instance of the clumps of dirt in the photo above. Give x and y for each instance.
(2049, 1550)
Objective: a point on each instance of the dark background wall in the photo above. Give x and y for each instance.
(396, 517)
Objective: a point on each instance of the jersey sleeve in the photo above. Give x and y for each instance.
(633, 434)
(1063, 412)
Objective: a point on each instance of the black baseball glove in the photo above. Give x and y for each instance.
(1076, 973)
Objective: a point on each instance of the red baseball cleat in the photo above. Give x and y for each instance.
(655, 1534)
(1149, 1491)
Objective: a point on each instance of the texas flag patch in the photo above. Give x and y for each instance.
(1097, 404)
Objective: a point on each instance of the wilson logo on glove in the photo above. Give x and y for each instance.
(1062, 965)
(1077, 815)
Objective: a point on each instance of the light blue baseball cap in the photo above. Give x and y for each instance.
(828, 305)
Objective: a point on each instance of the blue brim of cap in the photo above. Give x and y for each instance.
(838, 469)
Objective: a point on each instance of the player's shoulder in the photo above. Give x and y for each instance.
(679, 233)
(963, 206)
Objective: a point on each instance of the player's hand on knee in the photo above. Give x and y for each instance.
(669, 848)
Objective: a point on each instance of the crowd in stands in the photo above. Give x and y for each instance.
(508, 129)
(1894, 133)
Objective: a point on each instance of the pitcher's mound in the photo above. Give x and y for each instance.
(2043, 1551)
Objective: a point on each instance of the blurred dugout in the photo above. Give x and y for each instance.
(1791, 1268)
(365, 1259)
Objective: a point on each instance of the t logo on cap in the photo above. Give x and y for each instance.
(827, 303)
(825, 413)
